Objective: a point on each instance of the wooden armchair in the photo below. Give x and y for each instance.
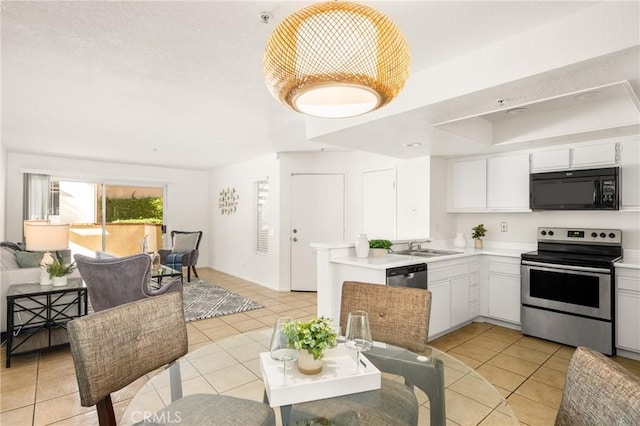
(184, 251)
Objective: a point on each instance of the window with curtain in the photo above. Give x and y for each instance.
(37, 196)
(262, 229)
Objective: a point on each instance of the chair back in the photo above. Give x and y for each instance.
(598, 391)
(195, 234)
(397, 315)
(113, 282)
(114, 347)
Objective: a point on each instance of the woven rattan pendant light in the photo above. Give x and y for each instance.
(336, 59)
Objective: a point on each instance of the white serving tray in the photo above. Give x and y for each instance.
(338, 377)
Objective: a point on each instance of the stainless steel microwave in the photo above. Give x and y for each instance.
(593, 189)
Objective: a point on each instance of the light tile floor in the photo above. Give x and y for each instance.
(529, 372)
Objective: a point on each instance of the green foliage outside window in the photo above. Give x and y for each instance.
(134, 210)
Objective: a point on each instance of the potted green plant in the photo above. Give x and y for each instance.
(479, 232)
(58, 271)
(380, 247)
(314, 337)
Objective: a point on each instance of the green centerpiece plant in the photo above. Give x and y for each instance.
(314, 337)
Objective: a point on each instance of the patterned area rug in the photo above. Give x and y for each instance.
(205, 300)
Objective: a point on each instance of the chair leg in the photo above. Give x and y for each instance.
(194, 271)
(106, 416)
(188, 274)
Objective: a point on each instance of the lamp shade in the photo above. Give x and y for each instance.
(336, 59)
(43, 236)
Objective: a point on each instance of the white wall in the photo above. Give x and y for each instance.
(232, 239)
(442, 225)
(3, 190)
(522, 227)
(186, 203)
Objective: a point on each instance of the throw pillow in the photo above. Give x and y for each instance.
(29, 259)
(184, 243)
(8, 259)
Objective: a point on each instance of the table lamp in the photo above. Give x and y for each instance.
(47, 237)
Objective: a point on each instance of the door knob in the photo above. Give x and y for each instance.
(295, 239)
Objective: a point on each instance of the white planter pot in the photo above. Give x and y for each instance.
(308, 365)
(60, 281)
(378, 252)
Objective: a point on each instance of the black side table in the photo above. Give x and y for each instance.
(37, 316)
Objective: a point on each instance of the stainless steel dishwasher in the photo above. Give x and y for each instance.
(414, 276)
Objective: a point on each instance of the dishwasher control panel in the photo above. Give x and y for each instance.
(414, 276)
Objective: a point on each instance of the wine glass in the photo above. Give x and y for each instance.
(284, 343)
(358, 334)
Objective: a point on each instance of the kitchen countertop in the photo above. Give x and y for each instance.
(396, 260)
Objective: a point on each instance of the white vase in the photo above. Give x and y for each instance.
(308, 365)
(362, 246)
(460, 241)
(60, 281)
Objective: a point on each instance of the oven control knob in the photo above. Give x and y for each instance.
(612, 235)
(550, 233)
(602, 235)
(594, 234)
(544, 233)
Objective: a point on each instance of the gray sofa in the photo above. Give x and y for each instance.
(20, 267)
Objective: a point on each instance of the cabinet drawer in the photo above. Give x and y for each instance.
(629, 283)
(474, 279)
(505, 268)
(474, 293)
(474, 267)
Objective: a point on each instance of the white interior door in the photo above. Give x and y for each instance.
(317, 215)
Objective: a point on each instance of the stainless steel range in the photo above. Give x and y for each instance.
(568, 287)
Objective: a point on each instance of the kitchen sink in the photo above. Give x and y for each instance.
(427, 252)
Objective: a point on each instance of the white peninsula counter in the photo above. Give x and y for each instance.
(337, 263)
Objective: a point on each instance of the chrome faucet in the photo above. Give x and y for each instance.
(418, 243)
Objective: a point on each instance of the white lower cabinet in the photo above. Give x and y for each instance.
(454, 286)
(628, 309)
(504, 289)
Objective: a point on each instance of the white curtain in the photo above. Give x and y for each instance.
(36, 196)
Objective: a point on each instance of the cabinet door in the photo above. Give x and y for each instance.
(459, 300)
(593, 155)
(544, 161)
(628, 320)
(504, 297)
(508, 182)
(440, 319)
(630, 170)
(469, 185)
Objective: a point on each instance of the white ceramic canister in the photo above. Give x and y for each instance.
(460, 241)
(362, 246)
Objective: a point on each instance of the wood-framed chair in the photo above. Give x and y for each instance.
(114, 347)
(184, 252)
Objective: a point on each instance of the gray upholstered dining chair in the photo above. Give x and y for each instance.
(398, 316)
(113, 348)
(184, 252)
(598, 391)
(113, 282)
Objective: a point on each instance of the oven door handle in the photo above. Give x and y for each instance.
(567, 267)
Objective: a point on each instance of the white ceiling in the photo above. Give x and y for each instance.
(179, 83)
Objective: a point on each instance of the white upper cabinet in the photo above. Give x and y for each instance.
(556, 159)
(469, 185)
(597, 155)
(630, 171)
(508, 183)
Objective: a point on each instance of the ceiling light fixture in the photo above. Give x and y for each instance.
(336, 60)
(412, 144)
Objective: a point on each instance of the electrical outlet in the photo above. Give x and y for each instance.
(503, 226)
